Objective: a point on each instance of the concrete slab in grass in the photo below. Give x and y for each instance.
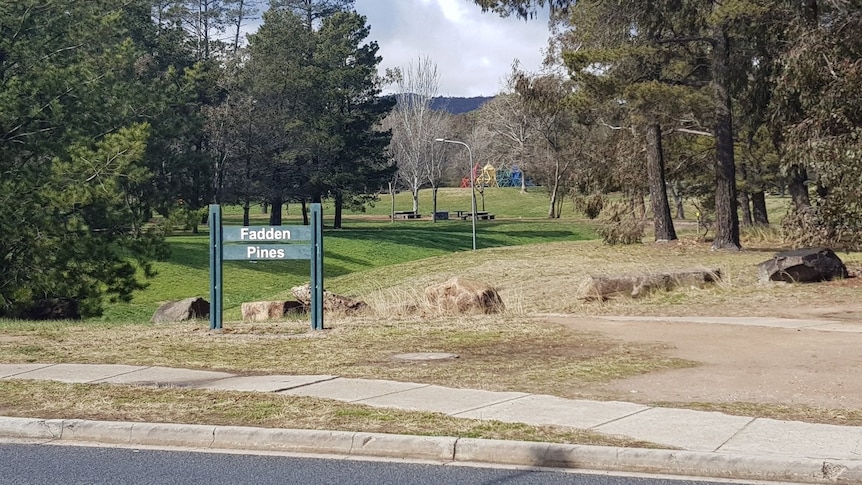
(441, 399)
(550, 410)
(352, 390)
(11, 371)
(683, 428)
(78, 373)
(793, 438)
(167, 376)
(265, 383)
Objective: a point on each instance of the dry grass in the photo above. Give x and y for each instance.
(545, 279)
(172, 405)
(508, 352)
(496, 352)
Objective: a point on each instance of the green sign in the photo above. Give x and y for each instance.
(254, 243)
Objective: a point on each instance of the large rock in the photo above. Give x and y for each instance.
(802, 266)
(600, 287)
(260, 311)
(463, 296)
(331, 302)
(180, 311)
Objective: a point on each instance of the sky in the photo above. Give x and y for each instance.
(473, 51)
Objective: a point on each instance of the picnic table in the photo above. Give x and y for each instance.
(406, 215)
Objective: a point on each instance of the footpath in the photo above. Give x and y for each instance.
(699, 443)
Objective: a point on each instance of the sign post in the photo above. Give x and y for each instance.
(255, 249)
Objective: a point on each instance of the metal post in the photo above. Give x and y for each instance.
(316, 285)
(472, 183)
(216, 260)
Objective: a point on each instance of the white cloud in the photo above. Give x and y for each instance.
(473, 51)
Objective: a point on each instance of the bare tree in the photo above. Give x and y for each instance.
(507, 118)
(415, 126)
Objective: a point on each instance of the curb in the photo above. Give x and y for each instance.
(441, 449)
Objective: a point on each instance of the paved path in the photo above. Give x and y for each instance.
(680, 428)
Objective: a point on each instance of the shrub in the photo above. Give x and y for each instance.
(618, 225)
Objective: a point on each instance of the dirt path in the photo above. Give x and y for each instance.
(743, 363)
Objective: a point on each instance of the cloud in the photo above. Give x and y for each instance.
(473, 51)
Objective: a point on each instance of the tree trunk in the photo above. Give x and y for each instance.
(758, 203)
(664, 230)
(744, 199)
(797, 176)
(392, 196)
(275, 211)
(415, 193)
(246, 205)
(744, 203)
(523, 182)
(433, 203)
(677, 200)
(305, 220)
(339, 208)
(552, 208)
(726, 218)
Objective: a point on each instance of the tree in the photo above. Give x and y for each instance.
(507, 118)
(282, 82)
(546, 99)
(416, 125)
(691, 25)
(822, 116)
(353, 112)
(312, 12)
(78, 86)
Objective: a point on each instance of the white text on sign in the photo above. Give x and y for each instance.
(254, 252)
(263, 234)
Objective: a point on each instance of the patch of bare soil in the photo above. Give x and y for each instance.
(741, 363)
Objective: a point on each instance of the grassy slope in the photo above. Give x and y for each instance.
(367, 242)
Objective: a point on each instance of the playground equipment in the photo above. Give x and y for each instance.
(488, 176)
(509, 177)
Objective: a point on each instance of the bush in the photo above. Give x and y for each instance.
(590, 205)
(618, 225)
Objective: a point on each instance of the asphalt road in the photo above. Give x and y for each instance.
(23, 464)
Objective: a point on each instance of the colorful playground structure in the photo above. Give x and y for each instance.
(488, 176)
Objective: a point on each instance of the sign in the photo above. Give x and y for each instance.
(225, 245)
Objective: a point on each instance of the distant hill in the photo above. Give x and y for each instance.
(457, 106)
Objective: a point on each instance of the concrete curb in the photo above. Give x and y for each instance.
(442, 449)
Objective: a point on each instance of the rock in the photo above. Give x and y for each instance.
(183, 310)
(802, 266)
(636, 286)
(53, 309)
(259, 311)
(331, 302)
(463, 296)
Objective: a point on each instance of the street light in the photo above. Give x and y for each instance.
(472, 182)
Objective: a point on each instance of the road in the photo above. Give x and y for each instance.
(24, 464)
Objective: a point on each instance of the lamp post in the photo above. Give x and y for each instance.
(472, 182)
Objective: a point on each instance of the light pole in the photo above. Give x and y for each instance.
(472, 183)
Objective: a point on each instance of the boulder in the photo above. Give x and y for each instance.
(331, 302)
(183, 310)
(802, 266)
(600, 287)
(463, 296)
(259, 311)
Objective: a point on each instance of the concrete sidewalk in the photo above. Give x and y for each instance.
(722, 441)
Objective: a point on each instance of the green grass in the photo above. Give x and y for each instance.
(363, 245)
(506, 202)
